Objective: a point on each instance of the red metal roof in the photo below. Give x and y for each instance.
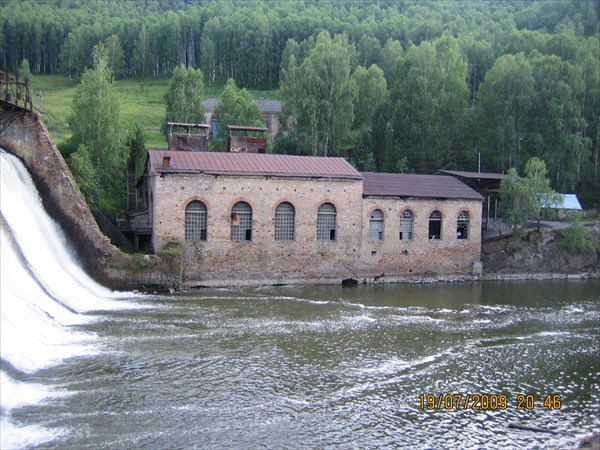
(252, 164)
(475, 175)
(409, 185)
(246, 128)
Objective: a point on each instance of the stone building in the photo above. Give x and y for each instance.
(246, 218)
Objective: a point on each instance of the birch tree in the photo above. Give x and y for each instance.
(319, 93)
(99, 136)
(184, 97)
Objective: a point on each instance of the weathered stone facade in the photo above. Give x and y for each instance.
(262, 259)
(353, 254)
(421, 256)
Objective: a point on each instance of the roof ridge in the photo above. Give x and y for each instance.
(253, 164)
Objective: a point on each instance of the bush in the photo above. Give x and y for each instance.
(577, 238)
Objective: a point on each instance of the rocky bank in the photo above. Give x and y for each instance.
(538, 255)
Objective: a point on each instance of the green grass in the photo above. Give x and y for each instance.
(53, 95)
(142, 102)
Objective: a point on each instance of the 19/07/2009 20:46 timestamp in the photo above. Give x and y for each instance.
(524, 402)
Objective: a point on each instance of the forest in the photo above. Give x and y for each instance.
(396, 86)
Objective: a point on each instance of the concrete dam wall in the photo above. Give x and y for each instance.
(29, 140)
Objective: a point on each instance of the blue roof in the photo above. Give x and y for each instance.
(569, 201)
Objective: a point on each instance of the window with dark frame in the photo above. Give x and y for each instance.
(241, 222)
(462, 225)
(406, 226)
(376, 226)
(195, 221)
(285, 222)
(435, 225)
(326, 222)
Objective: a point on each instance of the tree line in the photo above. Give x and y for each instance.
(245, 40)
(400, 86)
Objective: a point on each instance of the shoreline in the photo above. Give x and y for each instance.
(351, 282)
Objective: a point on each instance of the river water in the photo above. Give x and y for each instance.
(286, 366)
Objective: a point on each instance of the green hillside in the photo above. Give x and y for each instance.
(142, 102)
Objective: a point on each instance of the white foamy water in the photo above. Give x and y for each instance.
(43, 243)
(44, 294)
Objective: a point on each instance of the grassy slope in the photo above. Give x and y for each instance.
(142, 102)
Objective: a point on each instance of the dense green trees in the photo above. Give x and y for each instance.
(237, 107)
(245, 40)
(320, 94)
(528, 196)
(184, 97)
(508, 80)
(431, 87)
(99, 139)
(505, 101)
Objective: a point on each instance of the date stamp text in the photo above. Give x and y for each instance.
(485, 402)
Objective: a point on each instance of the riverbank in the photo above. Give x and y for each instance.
(540, 255)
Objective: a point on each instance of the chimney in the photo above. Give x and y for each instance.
(166, 161)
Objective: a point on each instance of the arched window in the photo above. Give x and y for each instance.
(285, 222)
(376, 226)
(462, 225)
(435, 225)
(241, 222)
(195, 221)
(326, 219)
(406, 225)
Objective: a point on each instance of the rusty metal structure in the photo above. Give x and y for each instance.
(15, 99)
(191, 137)
(244, 139)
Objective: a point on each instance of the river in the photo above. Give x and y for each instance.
(285, 366)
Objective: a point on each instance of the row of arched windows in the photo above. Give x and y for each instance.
(285, 223)
(376, 224)
(241, 222)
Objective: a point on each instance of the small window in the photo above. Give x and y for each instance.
(406, 226)
(326, 222)
(435, 225)
(376, 226)
(241, 222)
(195, 221)
(462, 225)
(285, 222)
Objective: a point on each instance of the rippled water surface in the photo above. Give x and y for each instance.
(331, 367)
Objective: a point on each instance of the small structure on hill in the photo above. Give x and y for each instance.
(269, 109)
(15, 99)
(564, 205)
(192, 137)
(243, 139)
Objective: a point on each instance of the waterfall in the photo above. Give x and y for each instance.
(44, 295)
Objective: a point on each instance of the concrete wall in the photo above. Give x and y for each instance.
(28, 139)
(218, 260)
